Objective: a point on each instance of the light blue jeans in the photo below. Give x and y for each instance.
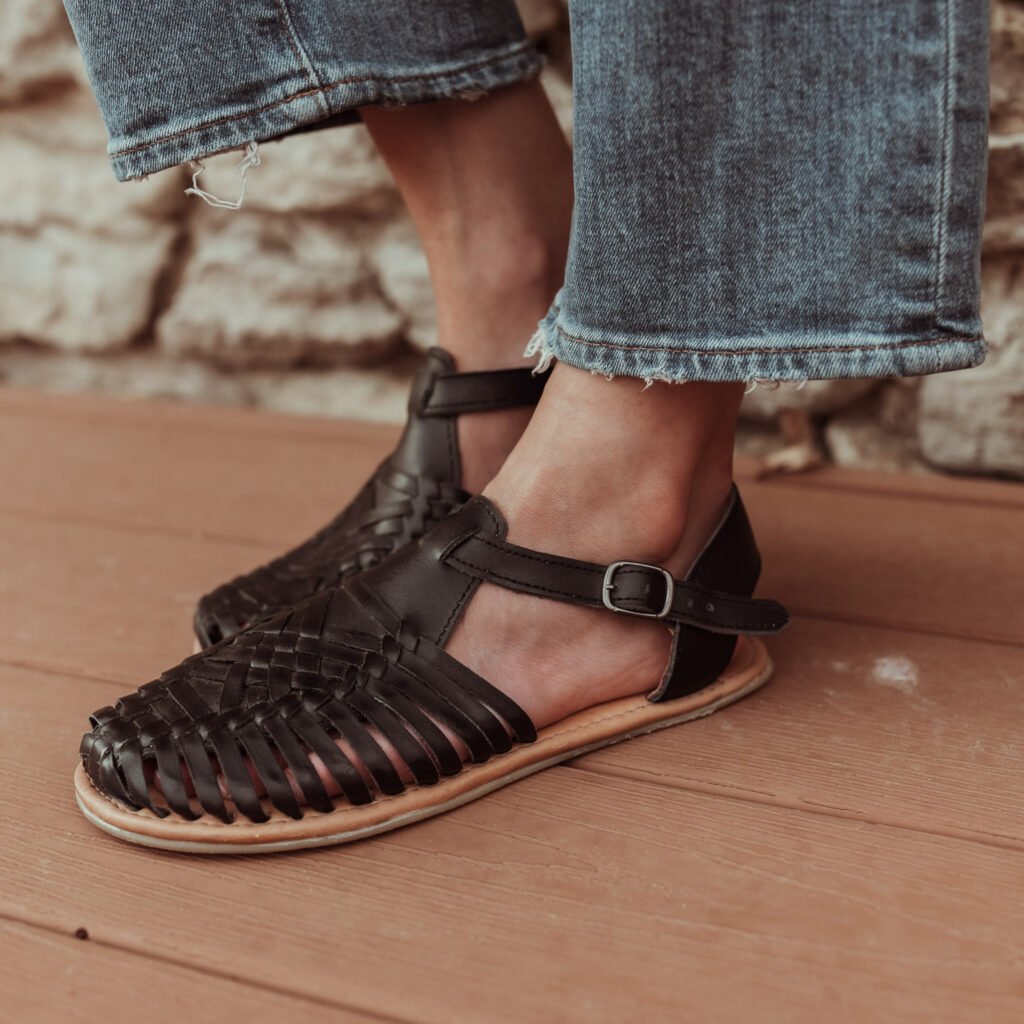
(765, 189)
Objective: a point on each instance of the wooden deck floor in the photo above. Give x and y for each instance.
(846, 845)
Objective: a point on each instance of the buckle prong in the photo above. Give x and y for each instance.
(609, 585)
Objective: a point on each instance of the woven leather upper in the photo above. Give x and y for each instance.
(414, 488)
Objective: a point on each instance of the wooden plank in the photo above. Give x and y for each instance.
(936, 486)
(944, 568)
(47, 976)
(209, 419)
(904, 728)
(911, 730)
(102, 601)
(571, 896)
(202, 472)
(239, 474)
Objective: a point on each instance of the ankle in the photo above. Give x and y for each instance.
(485, 440)
(487, 311)
(580, 513)
(606, 470)
(488, 305)
(504, 259)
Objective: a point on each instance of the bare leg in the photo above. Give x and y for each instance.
(489, 187)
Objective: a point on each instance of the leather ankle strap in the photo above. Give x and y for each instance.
(630, 588)
(451, 393)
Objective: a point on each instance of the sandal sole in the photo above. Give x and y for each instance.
(574, 736)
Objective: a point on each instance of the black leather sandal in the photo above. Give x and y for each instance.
(414, 488)
(232, 733)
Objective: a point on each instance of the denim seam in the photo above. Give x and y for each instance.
(678, 349)
(945, 158)
(301, 55)
(306, 93)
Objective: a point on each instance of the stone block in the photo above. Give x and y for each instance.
(38, 55)
(81, 256)
(327, 170)
(972, 421)
(1004, 208)
(77, 291)
(816, 397)
(265, 290)
(1007, 67)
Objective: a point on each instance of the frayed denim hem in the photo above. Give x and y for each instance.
(272, 118)
(767, 359)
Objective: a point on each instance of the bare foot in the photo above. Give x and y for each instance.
(575, 486)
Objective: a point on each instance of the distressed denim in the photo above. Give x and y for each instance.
(765, 189)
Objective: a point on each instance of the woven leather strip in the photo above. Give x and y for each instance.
(414, 488)
(633, 588)
(391, 510)
(484, 391)
(257, 709)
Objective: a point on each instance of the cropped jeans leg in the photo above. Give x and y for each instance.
(180, 81)
(768, 189)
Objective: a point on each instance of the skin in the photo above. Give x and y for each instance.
(489, 187)
(604, 470)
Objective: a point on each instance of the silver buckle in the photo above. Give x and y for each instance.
(609, 585)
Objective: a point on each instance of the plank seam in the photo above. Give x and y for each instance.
(901, 626)
(240, 979)
(314, 429)
(990, 839)
(143, 529)
(894, 493)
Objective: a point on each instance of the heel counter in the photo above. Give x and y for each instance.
(731, 562)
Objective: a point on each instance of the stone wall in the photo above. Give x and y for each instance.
(316, 300)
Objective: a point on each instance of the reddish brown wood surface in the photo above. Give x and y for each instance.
(846, 845)
(55, 976)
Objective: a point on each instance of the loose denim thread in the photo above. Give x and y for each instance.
(250, 160)
(537, 347)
